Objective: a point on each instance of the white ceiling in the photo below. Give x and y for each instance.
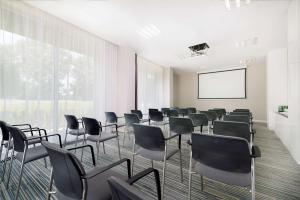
(182, 23)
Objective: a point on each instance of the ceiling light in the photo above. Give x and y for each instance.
(248, 1)
(238, 3)
(227, 4)
(149, 31)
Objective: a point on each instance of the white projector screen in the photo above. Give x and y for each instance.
(229, 84)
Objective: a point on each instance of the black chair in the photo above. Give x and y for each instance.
(93, 129)
(242, 113)
(200, 120)
(73, 128)
(24, 153)
(165, 111)
(241, 110)
(191, 110)
(224, 159)
(172, 113)
(152, 110)
(218, 112)
(71, 179)
(182, 111)
(222, 109)
(7, 142)
(180, 125)
(234, 129)
(140, 115)
(153, 145)
(241, 118)
(157, 118)
(122, 190)
(112, 118)
(129, 120)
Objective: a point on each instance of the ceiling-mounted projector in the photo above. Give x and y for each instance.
(199, 49)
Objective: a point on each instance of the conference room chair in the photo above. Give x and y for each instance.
(199, 120)
(172, 113)
(152, 145)
(212, 116)
(26, 154)
(218, 112)
(241, 118)
(94, 132)
(7, 142)
(129, 120)
(191, 110)
(112, 118)
(242, 113)
(157, 118)
(165, 111)
(222, 109)
(152, 110)
(183, 112)
(123, 190)
(241, 110)
(234, 129)
(73, 128)
(72, 181)
(224, 159)
(140, 115)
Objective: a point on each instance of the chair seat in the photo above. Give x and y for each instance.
(156, 155)
(98, 188)
(33, 153)
(30, 142)
(76, 131)
(104, 137)
(230, 178)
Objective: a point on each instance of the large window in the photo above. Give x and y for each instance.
(49, 68)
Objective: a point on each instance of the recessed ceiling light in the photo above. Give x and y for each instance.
(227, 4)
(238, 3)
(149, 31)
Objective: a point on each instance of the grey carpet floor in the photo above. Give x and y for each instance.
(277, 174)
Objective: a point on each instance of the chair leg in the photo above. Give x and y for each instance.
(66, 137)
(190, 177)
(103, 147)
(253, 180)
(50, 185)
(21, 174)
(76, 142)
(97, 145)
(164, 172)
(45, 163)
(133, 153)
(10, 167)
(1, 148)
(124, 134)
(180, 159)
(152, 164)
(202, 185)
(5, 160)
(119, 151)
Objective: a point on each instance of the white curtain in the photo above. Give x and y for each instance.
(150, 85)
(49, 68)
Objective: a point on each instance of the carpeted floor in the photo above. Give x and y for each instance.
(277, 174)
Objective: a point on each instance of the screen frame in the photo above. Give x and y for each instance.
(245, 85)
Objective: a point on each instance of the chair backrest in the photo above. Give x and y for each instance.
(4, 131)
(218, 112)
(241, 110)
(137, 112)
(111, 117)
(221, 152)
(72, 122)
(211, 115)
(172, 113)
(181, 125)
(121, 190)
(222, 109)
(18, 138)
(165, 110)
(235, 129)
(199, 119)
(182, 111)
(91, 126)
(156, 116)
(191, 110)
(152, 110)
(239, 113)
(149, 137)
(131, 119)
(67, 171)
(237, 118)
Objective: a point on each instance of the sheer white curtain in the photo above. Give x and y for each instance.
(150, 85)
(49, 68)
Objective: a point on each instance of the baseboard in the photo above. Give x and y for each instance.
(260, 121)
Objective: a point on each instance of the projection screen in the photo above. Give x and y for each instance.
(229, 84)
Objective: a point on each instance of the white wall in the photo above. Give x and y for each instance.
(168, 87)
(277, 92)
(186, 93)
